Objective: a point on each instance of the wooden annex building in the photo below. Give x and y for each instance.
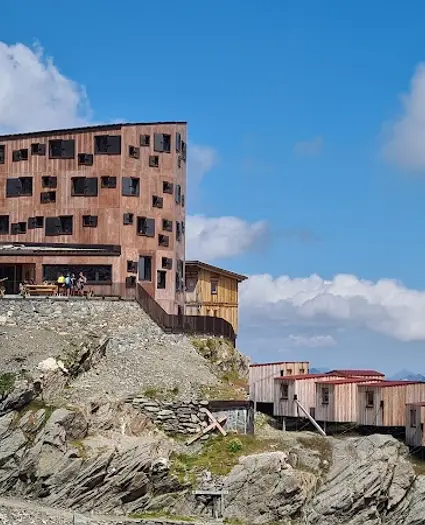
(415, 424)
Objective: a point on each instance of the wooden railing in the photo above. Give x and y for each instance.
(191, 324)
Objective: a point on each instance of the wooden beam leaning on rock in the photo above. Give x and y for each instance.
(215, 424)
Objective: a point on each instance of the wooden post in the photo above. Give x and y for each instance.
(313, 421)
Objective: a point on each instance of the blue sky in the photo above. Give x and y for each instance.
(292, 111)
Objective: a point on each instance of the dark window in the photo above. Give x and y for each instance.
(49, 182)
(157, 202)
(130, 281)
(146, 226)
(162, 142)
(4, 224)
(179, 283)
(59, 225)
(370, 399)
(284, 392)
(178, 231)
(17, 228)
(2, 154)
(132, 266)
(95, 274)
(130, 186)
(412, 418)
(288, 371)
(302, 371)
(21, 186)
(183, 201)
(85, 159)
(214, 286)
(325, 395)
(168, 187)
(183, 227)
(47, 196)
(178, 193)
(153, 161)
(184, 150)
(84, 187)
(90, 221)
(107, 145)
(108, 182)
(20, 154)
(62, 149)
(134, 152)
(180, 267)
(161, 279)
(35, 222)
(145, 268)
(163, 240)
(167, 263)
(38, 149)
(145, 140)
(282, 373)
(167, 225)
(178, 141)
(127, 218)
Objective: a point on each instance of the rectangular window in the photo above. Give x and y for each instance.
(179, 283)
(162, 142)
(132, 266)
(178, 231)
(130, 281)
(161, 279)
(412, 418)
(47, 196)
(183, 201)
(62, 149)
(146, 226)
(21, 186)
(168, 187)
(108, 182)
(178, 193)
(107, 145)
(167, 225)
(284, 392)
(128, 218)
(134, 152)
(180, 267)
(49, 182)
(289, 371)
(145, 268)
(38, 149)
(214, 286)
(325, 395)
(85, 159)
(95, 274)
(163, 240)
(35, 222)
(84, 187)
(145, 140)
(153, 161)
(19, 154)
(302, 371)
(183, 227)
(59, 225)
(370, 399)
(2, 154)
(130, 187)
(184, 152)
(90, 221)
(18, 228)
(178, 141)
(4, 224)
(167, 263)
(157, 202)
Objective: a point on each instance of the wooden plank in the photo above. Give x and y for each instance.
(213, 420)
(207, 429)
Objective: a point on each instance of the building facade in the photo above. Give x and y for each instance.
(106, 200)
(212, 291)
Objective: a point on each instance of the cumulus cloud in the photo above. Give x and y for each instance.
(210, 238)
(385, 306)
(314, 341)
(201, 159)
(309, 148)
(34, 94)
(405, 137)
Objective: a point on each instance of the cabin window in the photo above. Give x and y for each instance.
(413, 417)
(214, 286)
(47, 196)
(146, 226)
(35, 222)
(282, 373)
(21, 186)
(191, 283)
(62, 149)
(167, 225)
(370, 399)
(302, 371)
(127, 218)
(134, 152)
(153, 161)
(107, 145)
(18, 228)
(325, 395)
(2, 154)
(145, 268)
(49, 182)
(95, 274)
(162, 142)
(167, 187)
(19, 154)
(145, 140)
(59, 225)
(157, 202)
(84, 187)
(289, 372)
(85, 159)
(4, 224)
(108, 182)
(284, 392)
(161, 279)
(163, 240)
(38, 149)
(130, 186)
(131, 266)
(167, 263)
(90, 221)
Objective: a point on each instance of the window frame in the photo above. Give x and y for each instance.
(163, 280)
(64, 145)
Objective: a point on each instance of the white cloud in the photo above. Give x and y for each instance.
(210, 238)
(314, 341)
(201, 160)
(405, 137)
(385, 306)
(34, 94)
(309, 148)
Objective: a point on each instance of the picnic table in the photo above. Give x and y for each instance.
(40, 289)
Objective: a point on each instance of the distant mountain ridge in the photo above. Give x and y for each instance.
(319, 370)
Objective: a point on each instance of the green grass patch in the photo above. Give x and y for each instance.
(163, 394)
(161, 516)
(7, 382)
(79, 445)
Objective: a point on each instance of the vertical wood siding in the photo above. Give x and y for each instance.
(415, 435)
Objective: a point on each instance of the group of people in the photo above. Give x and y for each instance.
(70, 285)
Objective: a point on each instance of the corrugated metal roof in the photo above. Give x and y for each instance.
(386, 384)
(301, 377)
(357, 372)
(216, 269)
(347, 381)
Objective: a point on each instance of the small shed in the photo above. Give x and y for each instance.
(261, 377)
(336, 401)
(239, 415)
(383, 404)
(361, 374)
(415, 419)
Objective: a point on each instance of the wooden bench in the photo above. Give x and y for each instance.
(40, 289)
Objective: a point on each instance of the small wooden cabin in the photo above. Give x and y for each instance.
(415, 419)
(361, 374)
(383, 404)
(262, 376)
(212, 291)
(301, 388)
(336, 401)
